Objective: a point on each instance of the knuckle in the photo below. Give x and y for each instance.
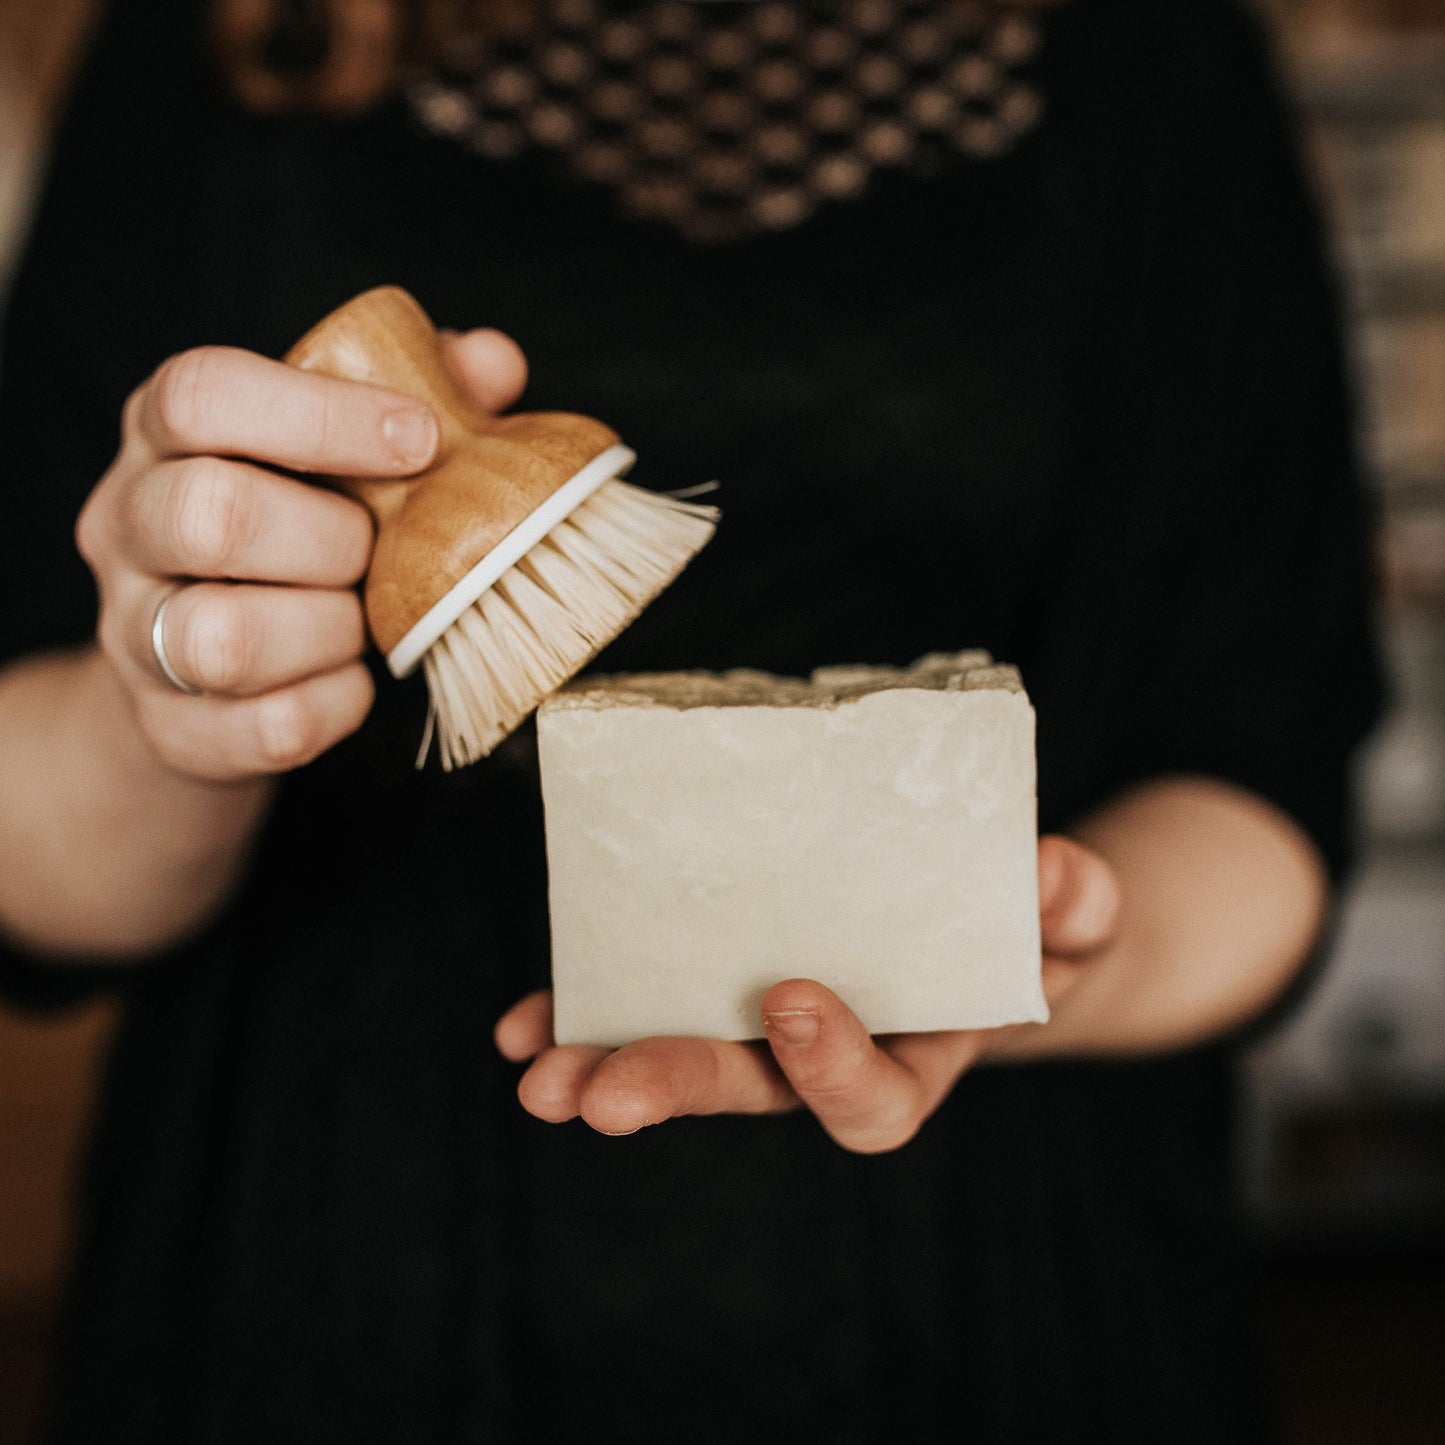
(212, 514)
(218, 641)
(87, 533)
(101, 521)
(183, 391)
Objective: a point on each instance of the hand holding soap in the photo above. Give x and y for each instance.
(872, 828)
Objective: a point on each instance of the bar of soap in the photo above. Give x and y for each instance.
(872, 828)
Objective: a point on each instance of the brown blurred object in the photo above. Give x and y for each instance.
(1308, 17)
(47, 1065)
(47, 1089)
(1363, 65)
(336, 61)
(1345, 1123)
(1369, 78)
(39, 40)
(1328, 30)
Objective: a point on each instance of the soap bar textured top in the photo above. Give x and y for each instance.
(873, 828)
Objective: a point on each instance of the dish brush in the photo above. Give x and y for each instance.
(507, 565)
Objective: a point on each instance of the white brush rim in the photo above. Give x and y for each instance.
(407, 653)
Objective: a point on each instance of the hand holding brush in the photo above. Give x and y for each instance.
(251, 572)
(506, 551)
(132, 799)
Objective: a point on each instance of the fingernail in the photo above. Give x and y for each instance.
(793, 1025)
(622, 1133)
(411, 432)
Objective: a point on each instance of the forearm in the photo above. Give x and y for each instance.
(1223, 899)
(104, 852)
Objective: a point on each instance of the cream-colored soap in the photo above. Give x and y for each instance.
(871, 828)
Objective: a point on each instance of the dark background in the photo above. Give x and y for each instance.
(1342, 1171)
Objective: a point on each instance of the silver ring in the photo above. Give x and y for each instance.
(158, 646)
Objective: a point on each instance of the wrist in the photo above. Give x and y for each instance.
(112, 853)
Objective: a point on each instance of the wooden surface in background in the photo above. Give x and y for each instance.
(37, 41)
(47, 1075)
(48, 1066)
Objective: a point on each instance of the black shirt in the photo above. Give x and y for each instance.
(1081, 406)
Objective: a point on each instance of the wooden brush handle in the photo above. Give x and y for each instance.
(488, 475)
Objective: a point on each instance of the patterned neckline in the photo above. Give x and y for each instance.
(725, 119)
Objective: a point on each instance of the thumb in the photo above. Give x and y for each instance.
(866, 1099)
(489, 366)
(1079, 898)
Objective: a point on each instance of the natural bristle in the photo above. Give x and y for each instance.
(551, 613)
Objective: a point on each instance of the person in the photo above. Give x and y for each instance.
(1076, 399)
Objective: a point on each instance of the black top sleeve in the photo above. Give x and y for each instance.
(1269, 676)
(84, 324)
(1225, 551)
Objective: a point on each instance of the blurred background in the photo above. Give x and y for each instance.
(1344, 1156)
(1343, 1160)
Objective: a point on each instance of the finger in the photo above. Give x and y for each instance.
(1079, 898)
(936, 1059)
(208, 517)
(526, 1028)
(552, 1088)
(225, 740)
(221, 400)
(238, 640)
(656, 1079)
(490, 366)
(866, 1099)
